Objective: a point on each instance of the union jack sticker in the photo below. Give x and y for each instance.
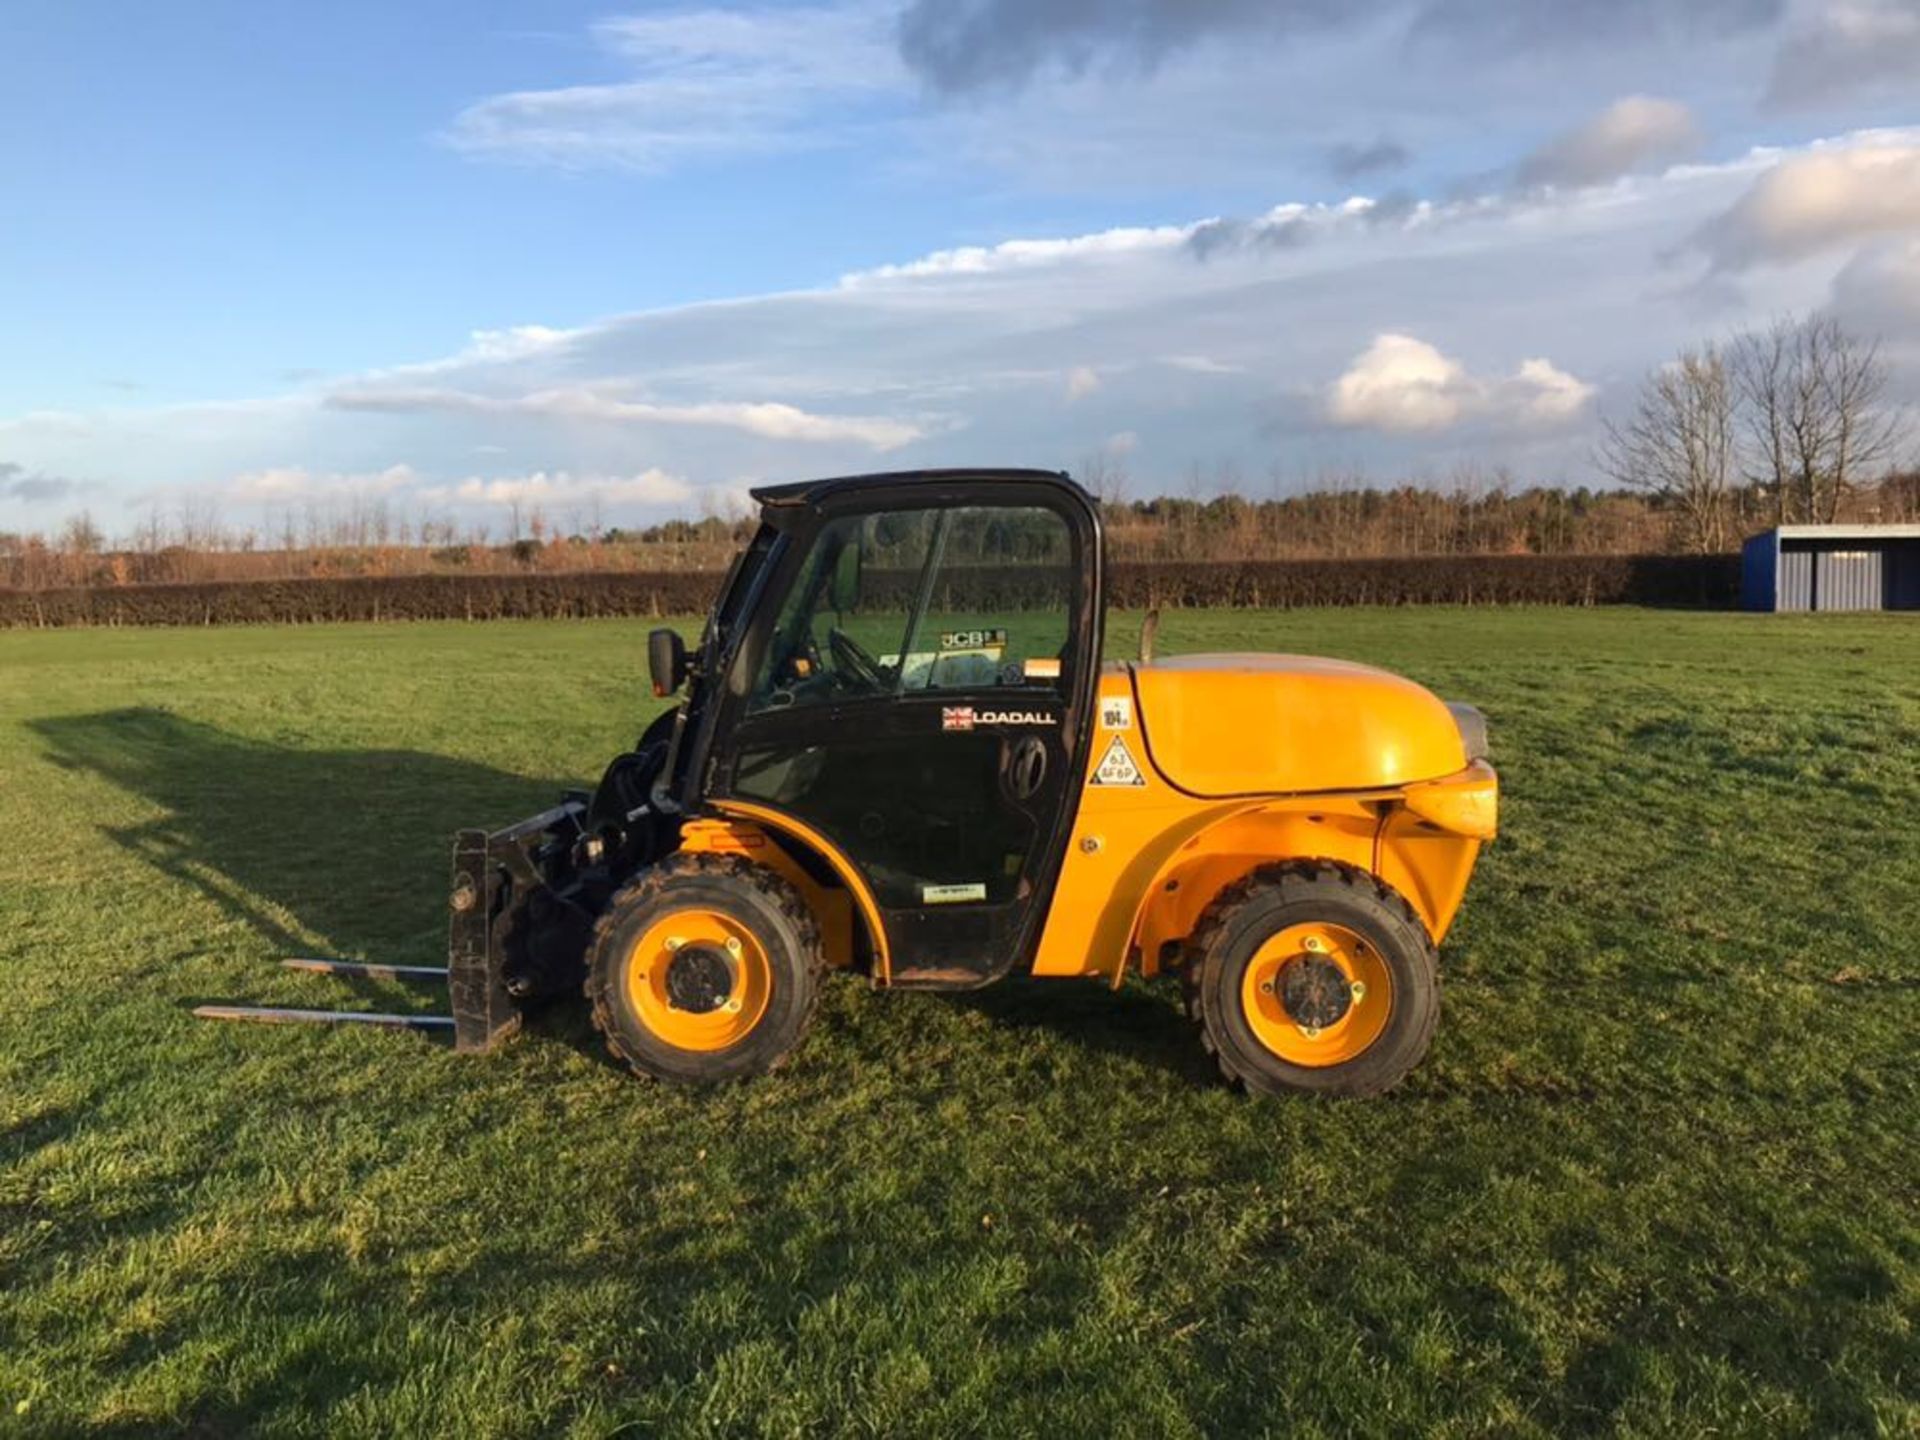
(956, 717)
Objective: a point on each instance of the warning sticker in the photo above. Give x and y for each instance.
(1117, 766)
(1116, 712)
(951, 894)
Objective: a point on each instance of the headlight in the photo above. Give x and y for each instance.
(1473, 729)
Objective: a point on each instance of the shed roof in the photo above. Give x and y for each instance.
(1845, 532)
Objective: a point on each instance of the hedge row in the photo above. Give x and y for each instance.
(392, 597)
(1711, 581)
(1707, 580)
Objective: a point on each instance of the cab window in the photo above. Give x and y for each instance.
(997, 601)
(928, 599)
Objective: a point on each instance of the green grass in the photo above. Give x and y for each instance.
(1660, 1175)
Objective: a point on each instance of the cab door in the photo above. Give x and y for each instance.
(920, 699)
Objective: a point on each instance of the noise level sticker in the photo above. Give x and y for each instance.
(951, 894)
(1117, 766)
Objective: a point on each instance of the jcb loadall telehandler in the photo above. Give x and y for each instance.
(898, 753)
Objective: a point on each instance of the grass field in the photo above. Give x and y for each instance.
(1660, 1175)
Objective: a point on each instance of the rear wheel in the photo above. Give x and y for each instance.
(704, 969)
(1313, 977)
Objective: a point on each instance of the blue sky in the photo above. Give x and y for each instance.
(636, 258)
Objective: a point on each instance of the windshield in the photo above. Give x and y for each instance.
(739, 584)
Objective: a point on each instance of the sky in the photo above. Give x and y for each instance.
(620, 263)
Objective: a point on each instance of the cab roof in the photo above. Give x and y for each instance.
(811, 492)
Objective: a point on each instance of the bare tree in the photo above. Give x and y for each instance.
(1104, 475)
(1899, 498)
(1763, 361)
(1816, 423)
(1853, 384)
(197, 519)
(1679, 445)
(80, 536)
(150, 536)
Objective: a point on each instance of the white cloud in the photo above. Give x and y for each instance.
(707, 83)
(1634, 133)
(770, 420)
(1121, 442)
(1119, 243)
(1817, 200)
(1082, 381)
(559, 490)
(1201, 365)
(290, 483)
(1292, 225)
(1401, 384)
(1540, 393)
(515, 343)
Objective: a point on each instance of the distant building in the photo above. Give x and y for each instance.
(1832, 567)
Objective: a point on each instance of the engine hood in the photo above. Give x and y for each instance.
(1219, 725)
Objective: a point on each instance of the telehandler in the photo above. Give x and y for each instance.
(896, 751)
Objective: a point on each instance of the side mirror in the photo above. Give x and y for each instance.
(666, 661)
(843, 593)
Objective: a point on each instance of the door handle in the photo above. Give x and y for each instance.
(1026, 767)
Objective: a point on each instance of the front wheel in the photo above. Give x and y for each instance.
(1313, 977)
(704, 969)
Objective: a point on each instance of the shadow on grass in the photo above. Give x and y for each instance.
(345, 848)
(1142, 1023)
(346, 852)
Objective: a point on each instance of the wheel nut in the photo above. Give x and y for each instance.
(1312, 1032)
(1315, 944)
(733, 1006)
(733, 945)
(674, 942)
(1359, 991)
(1266, 987)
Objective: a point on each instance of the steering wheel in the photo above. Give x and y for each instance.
(849, 655)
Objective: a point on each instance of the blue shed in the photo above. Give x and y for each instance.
(1832, 567)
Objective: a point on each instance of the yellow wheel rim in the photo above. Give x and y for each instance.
(1333, 955)
(699, 980)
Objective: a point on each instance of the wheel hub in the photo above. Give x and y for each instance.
(699, 979)
(1315, 992)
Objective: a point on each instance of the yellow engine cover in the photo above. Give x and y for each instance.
(1221, 725)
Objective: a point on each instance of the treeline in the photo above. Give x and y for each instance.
(1480, 519)
(1474, 514)
(80, 556)
(1711, 580)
